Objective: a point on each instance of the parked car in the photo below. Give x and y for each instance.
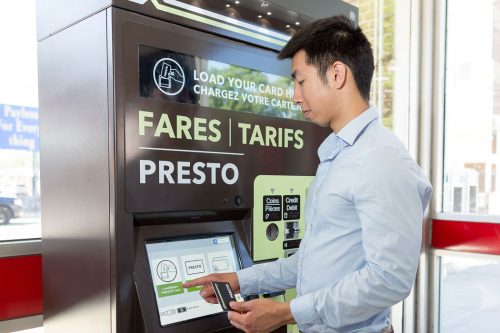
(10, 207)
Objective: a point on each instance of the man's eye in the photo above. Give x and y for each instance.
(300, 82)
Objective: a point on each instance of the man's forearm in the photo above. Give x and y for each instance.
(270, 277)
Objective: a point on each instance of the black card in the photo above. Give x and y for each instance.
(224, 294)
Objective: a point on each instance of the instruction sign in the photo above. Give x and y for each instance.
(291, 207)
(272, 208)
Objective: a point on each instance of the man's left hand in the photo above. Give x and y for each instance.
(260, 315)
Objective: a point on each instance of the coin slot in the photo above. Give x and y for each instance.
(272, 231)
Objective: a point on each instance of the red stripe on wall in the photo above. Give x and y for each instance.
(466, 236)
(20, 286)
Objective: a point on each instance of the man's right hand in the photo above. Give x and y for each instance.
(208, 292)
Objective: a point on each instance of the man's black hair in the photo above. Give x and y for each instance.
(333, 39)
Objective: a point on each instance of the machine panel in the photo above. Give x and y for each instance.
(166, 256)
(201, 124)
(278, 215)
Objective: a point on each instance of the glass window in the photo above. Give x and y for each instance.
(470, 295)
(472, 107)
(19, 138)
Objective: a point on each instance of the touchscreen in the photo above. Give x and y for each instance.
(173, 262)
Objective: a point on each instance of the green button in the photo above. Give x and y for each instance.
(169, 289)
(196, 288)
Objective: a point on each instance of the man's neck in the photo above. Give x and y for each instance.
(351, 111)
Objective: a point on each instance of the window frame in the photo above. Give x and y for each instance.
(17, 248)
(438, 81)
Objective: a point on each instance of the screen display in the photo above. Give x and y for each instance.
(173, 262)
(183, 78)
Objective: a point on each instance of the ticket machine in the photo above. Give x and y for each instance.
(170, 149)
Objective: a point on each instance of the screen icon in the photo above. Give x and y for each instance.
(169, 76)
(194, 267)
(220, 264)
(166, 271)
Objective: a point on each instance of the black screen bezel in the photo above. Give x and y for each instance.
(187, 238)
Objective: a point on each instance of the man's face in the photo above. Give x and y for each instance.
(315, 98)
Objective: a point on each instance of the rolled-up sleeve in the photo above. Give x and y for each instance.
(269, 277)
(390, 195)
(303, 310)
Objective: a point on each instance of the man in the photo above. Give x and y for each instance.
(364, 208)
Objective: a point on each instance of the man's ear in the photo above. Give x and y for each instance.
(338, 74)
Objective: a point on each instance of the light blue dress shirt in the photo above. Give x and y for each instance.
(361, 246)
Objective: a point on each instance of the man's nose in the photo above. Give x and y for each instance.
(297, 96)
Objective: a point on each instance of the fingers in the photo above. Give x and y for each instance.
(235, 317)
(237, 325)
(207, 291)
(238, 320)
(196, 282)
(211, 299)
(232, 278)
(241, 306)
(259, 315)
(238, 307)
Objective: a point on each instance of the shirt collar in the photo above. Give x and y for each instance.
(329, 148)
(350, 132)
(346, 136)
